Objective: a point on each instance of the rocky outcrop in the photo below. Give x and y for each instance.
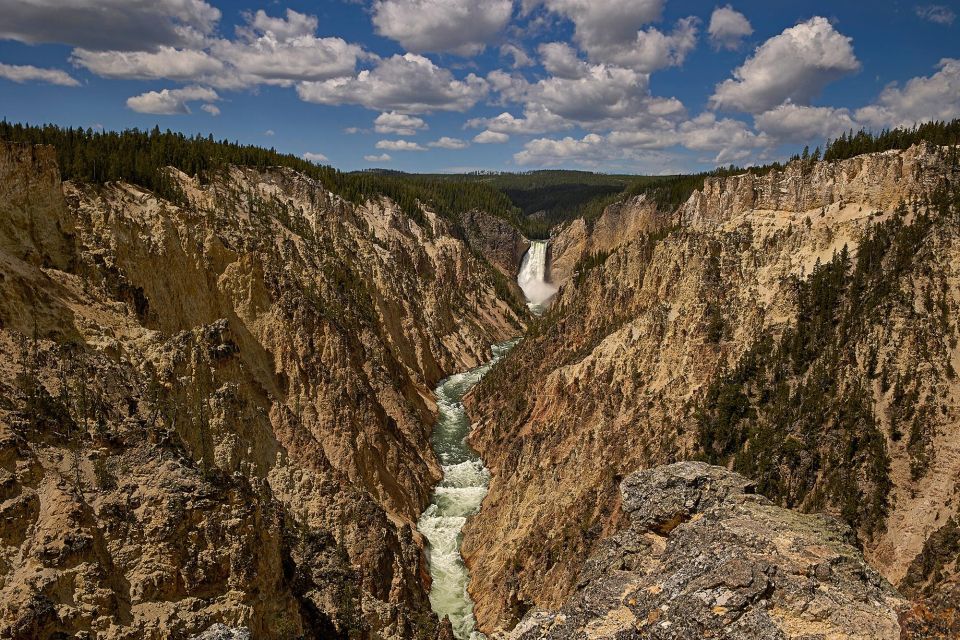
(877, 181)
(748, 336)
(498, 241)
(705, 557)
(618, 224)
(216, 411)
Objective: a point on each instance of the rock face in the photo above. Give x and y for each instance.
(739, 331)
(704, 557)
(495, 239)
(618, 224)
(216, 411)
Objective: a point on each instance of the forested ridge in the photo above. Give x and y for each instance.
(139, 156)
(532, 201)
(797, 411)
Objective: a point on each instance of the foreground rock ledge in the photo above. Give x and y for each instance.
(704, 557)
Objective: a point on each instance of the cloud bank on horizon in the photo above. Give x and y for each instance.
(615, 85)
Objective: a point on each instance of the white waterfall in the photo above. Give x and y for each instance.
(533, 276)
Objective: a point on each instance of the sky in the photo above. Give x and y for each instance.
(623, 86)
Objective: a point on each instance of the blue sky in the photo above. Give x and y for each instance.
(647, 86)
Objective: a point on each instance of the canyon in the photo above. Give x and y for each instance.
(796, 325)
(261, 408)
(218, 412)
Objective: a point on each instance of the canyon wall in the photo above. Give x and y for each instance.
(217, 410)
(798, 326)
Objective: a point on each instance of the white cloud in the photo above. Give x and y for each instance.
(652, 49)
(446, 142)
(561, 61)
(212, 109)
(795, 65)
(728, 28)
(165, 62)
(491, 137)
(315, 158)
(795, 123)
(170, 101)
(398, 124)
(520, 57)
(731, 139)
(936, 13)
(400, 145)
(551, 152)
(295, 25)
(464, 27)
(383, 157)
(28, 73)
(408, 83)
(607, 23)
(269, 132)
(935, 97)
(268, 50)
(610, 32)
(535, 119)
(109, 24)
(268, 59)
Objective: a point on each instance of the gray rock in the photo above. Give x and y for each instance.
(220, 631)
(706, 558)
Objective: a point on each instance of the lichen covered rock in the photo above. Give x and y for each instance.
(704, 557)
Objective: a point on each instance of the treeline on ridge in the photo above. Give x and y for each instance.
(139, 156)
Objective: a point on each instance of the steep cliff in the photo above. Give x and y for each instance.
(217, 410)
(705, 557)
(775, 323)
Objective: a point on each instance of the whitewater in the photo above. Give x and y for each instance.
(465, 478)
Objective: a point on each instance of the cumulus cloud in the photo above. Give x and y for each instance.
(463, 27)
(294, 25)
(446, 142)
(170, 101)
(109, 24)
(398, 124)
(490, 137)
(383, 157)
(28, 73)
(561, 61)
(795, 65)
(611, 32)
(651, 49)
(315, 158)
(731, 139)
(796, 123)
(536, 119)
(605, 24)
(268, 50)
(520, 57)
(935, 97)
(400, 145)
(553, 152)
(165, 62)
(284, 50)
(728, 28)
(936, 13)
(212, 109)
(409, 83)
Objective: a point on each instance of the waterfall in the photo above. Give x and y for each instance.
(533, 277)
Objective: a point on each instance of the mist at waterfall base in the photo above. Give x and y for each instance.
(459, 494)
(533, 277)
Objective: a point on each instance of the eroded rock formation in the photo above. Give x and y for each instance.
(798, 325)
(216, 411)
(705, 557)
